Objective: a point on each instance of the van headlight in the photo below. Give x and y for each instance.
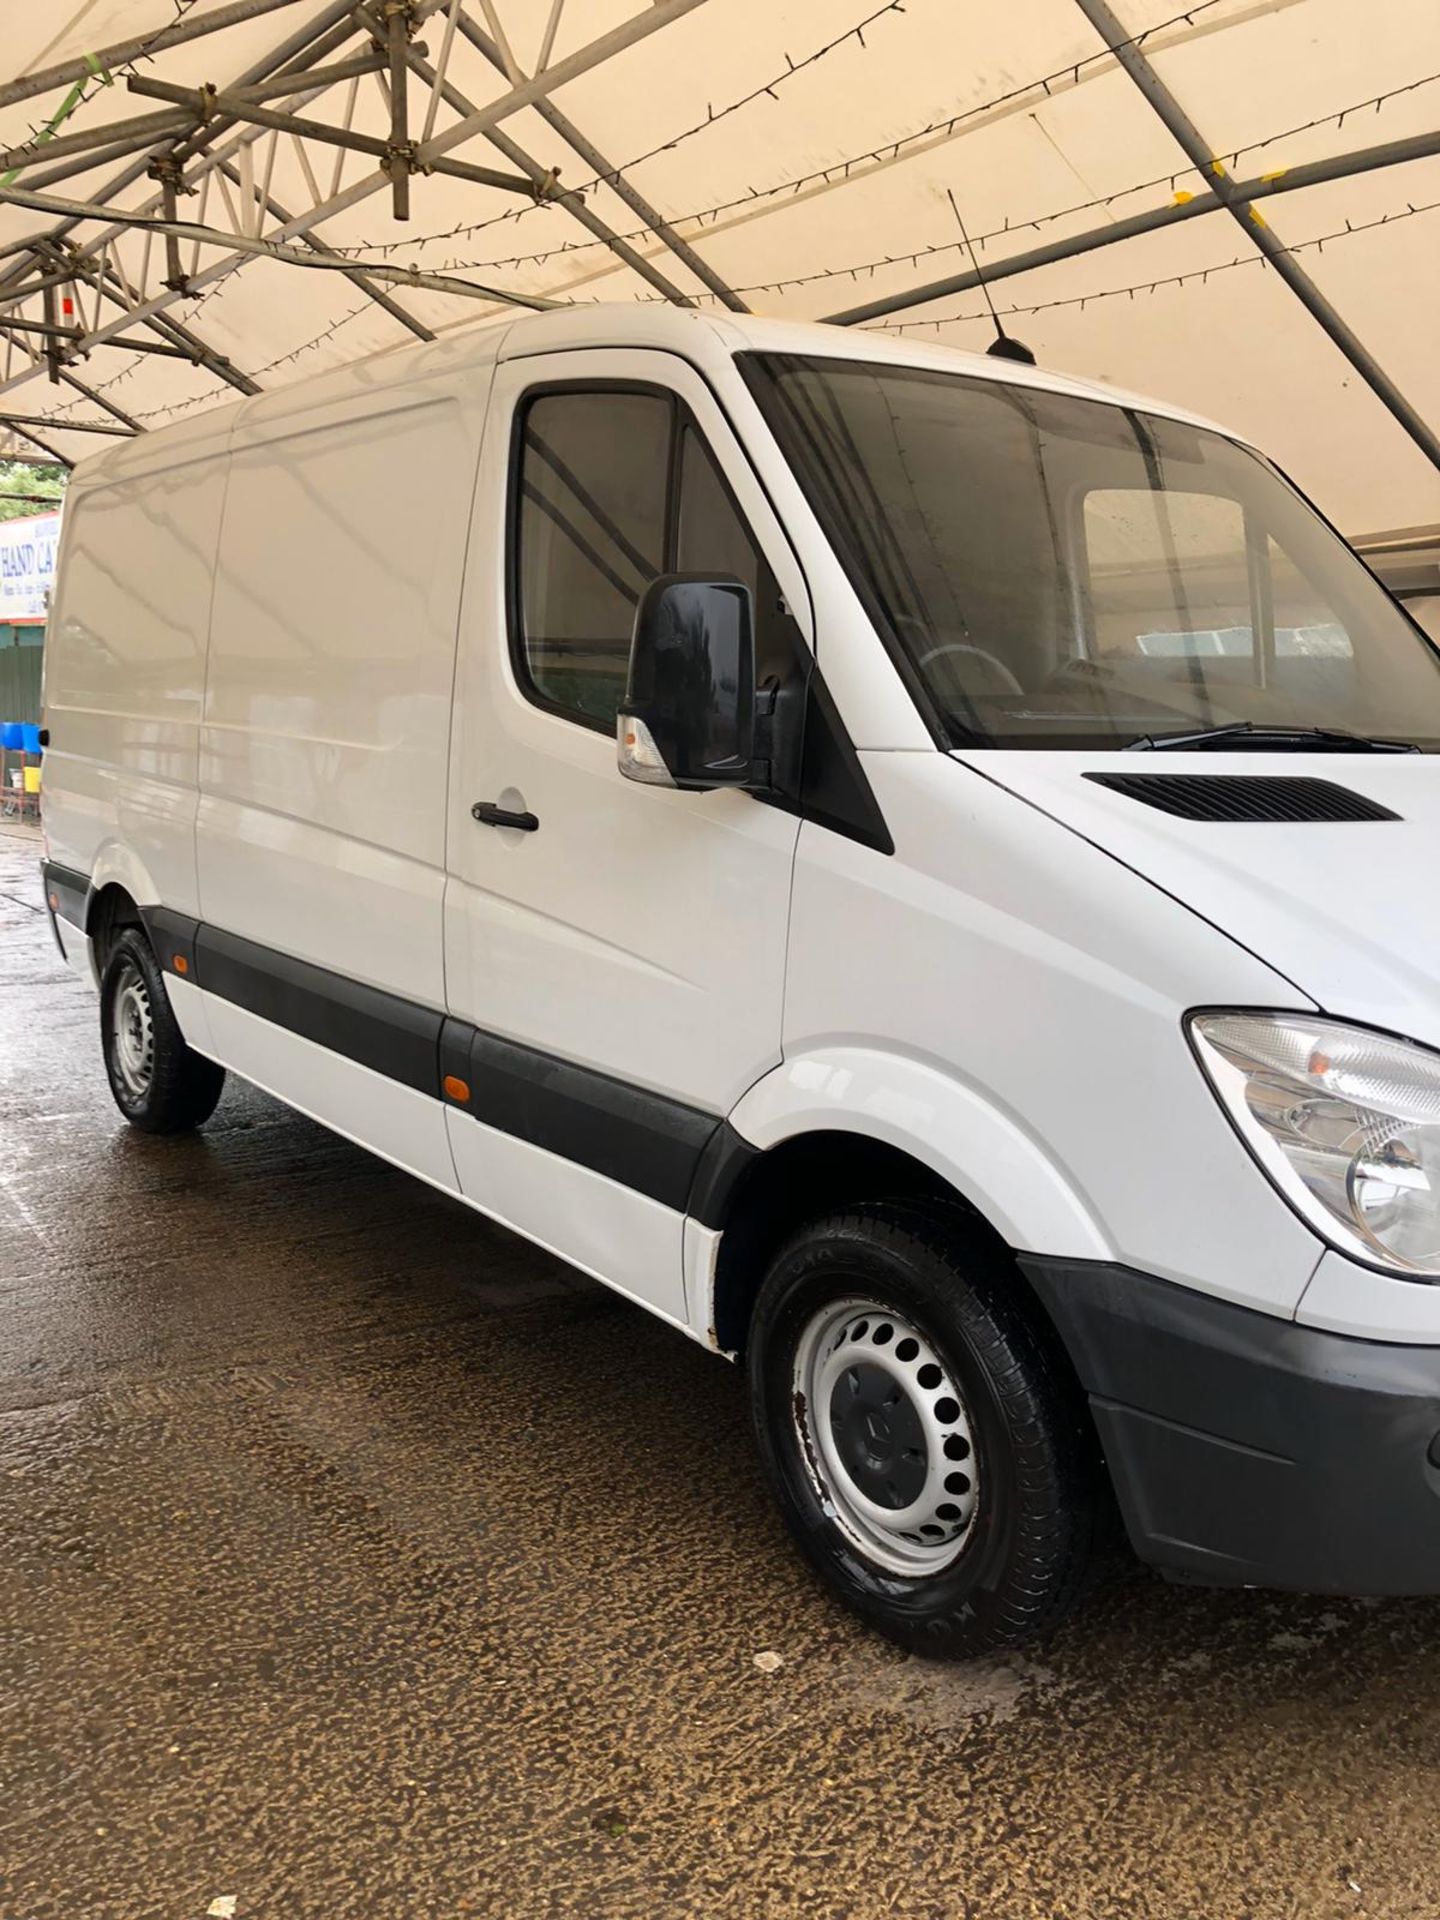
(1345, 1122)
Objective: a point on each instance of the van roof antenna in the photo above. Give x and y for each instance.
(1004, 346)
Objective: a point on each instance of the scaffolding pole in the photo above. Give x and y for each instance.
(296, 56)
(98, 399)
(354, 274)
(573, 203)
(638, 27)
(244, 243)
(23, 420)
(307, 45)
(70, 336)
(1342, 166)
(562, 125)
(400, 153)
(88, 65)
(1184, 131)
(53, 455)
(205, 103)
(171, 331)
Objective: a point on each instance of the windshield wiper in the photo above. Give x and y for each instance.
(1247, 737)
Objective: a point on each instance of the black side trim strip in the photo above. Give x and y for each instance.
(644, 1140)
(455, 1038)
(54, 919)
(66, 892)
(377, 1029)
(674, 1153)
(172, 938)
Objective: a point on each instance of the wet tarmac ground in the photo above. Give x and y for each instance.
(358, 1562)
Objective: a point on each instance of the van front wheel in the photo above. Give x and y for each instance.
(159, 1084)
(930, 1453)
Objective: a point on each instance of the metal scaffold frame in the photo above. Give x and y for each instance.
(1200, 154)
(210, 134)
(203, 158)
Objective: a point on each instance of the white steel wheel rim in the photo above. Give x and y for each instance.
(886, 1436)
(133, 1033)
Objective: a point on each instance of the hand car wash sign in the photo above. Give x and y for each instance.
(27, 565)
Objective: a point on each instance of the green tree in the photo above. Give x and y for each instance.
(29, 489)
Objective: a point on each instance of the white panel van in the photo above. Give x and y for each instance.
(917, 871)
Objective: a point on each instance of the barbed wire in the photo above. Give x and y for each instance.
(1374, 103)
(1043, 86)
(767, 87)
(270, 366)
(1200, 274)
(184, 313)
(855, 271)
(869, 268)
(793, 67)
(1231, 158)
(105, 76)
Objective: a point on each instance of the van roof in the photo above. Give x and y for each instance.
(659, 324)
(656, 325)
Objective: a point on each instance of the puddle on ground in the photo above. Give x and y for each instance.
(939, 1696)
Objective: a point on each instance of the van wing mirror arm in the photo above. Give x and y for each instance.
(780, 736)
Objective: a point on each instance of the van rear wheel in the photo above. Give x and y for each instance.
(931, 1455)
(160, 1084)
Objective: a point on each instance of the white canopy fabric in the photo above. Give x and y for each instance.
(798, 157)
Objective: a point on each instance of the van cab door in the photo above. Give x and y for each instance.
(615, 953)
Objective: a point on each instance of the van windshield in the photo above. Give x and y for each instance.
(1059, 572)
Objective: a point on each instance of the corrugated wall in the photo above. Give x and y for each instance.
(20, 682)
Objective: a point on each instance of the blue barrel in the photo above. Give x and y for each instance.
(31, 741)
(12, 736)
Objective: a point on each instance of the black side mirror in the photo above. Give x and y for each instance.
(688, 716)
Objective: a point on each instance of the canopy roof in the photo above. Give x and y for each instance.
(802, 158)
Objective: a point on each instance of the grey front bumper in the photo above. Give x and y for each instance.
(1247, 1450)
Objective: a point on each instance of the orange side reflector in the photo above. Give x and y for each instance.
(182, 965)
(456, 1088)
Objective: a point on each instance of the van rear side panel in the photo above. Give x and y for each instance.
(125, 660)
(324, 749)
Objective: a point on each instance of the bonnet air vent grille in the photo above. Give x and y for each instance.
(1243, 796)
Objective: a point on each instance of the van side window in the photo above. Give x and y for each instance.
(615, 486)
(711, 538)
(593, 481)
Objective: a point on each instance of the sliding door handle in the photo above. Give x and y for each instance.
(490, 815)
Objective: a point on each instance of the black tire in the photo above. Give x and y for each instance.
(160, 1084)
(1023, 1551)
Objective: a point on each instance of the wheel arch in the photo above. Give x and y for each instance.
(110, 911)
(846, 1124)
(120, 887)
(802, 1178)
